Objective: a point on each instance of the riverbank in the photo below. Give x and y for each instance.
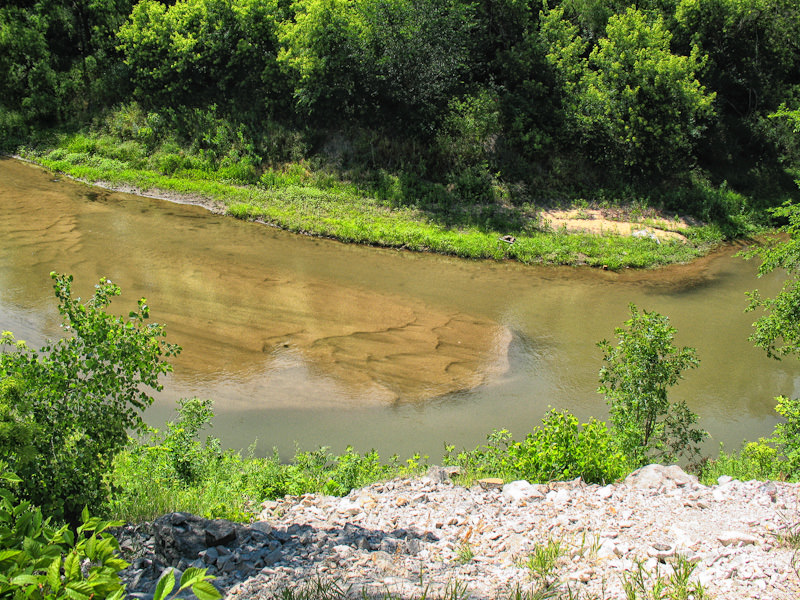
(302, 201)
(427, 537)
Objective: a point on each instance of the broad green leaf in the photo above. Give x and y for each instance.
(72, 567)
(54, 574)
(204, 590)
(9, 554)
(165, 585)
(191, 575)
(26, 580)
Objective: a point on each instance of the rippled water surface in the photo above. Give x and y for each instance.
(308, 341)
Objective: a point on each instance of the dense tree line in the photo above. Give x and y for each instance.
(562, 96)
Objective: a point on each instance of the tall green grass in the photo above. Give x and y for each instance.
(298, 198)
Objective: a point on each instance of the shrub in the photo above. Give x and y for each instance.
(635, 378)
(38, 560)
(756, 460)
(787, 434)
(80, 396)
(560, 449)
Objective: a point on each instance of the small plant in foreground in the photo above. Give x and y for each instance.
(639, 584)
(464, 554)
(543, 561)
(193, 578)
(39, 561)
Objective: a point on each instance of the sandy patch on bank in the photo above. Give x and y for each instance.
(616, 221)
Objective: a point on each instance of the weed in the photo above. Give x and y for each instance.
(547, 592)
(640, 584)
(590, 544)
(464, 554)
(542, 562)
(314, 589)
(331, 589)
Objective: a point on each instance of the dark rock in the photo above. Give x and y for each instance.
(210, 556)
(219, 532)
(363, 543)
(273, 557)
(178, 535)
(223, 562)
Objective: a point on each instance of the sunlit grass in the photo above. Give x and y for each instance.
(302, 201)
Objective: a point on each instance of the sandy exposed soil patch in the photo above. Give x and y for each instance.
(616, 221)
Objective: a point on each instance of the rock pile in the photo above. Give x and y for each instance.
(409, 536)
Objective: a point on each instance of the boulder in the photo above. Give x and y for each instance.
(659, 476)
(182, 535)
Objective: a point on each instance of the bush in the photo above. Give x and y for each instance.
(38, 560)
(66, 410)
(173, 471)
(787, 434)
(756, 460)
(635, 379)
(558, 450)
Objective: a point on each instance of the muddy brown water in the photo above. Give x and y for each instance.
(308, 342)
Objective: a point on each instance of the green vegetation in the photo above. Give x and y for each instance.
(437, 126)
(298, 199)
(174, 471)
(66, 409)
(560, 449)
(641, 585)
(635, 377)
(42, 562)
(777, 333)
(35, 553)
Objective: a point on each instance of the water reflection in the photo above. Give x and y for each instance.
(310, 341)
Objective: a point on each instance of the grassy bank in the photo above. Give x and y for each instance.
(173, 470)
(379, 209)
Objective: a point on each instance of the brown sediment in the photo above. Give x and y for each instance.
(618, 222)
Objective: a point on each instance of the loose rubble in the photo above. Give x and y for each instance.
(408, 536)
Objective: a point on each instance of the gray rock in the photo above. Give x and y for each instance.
(183, 536)
(736, 538)
(262, 527)
(210, 555)
(273, 557)
(521, 490)
(437, 474)
(769, 489)
(658, 476)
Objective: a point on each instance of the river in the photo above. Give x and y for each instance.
(305, 342)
